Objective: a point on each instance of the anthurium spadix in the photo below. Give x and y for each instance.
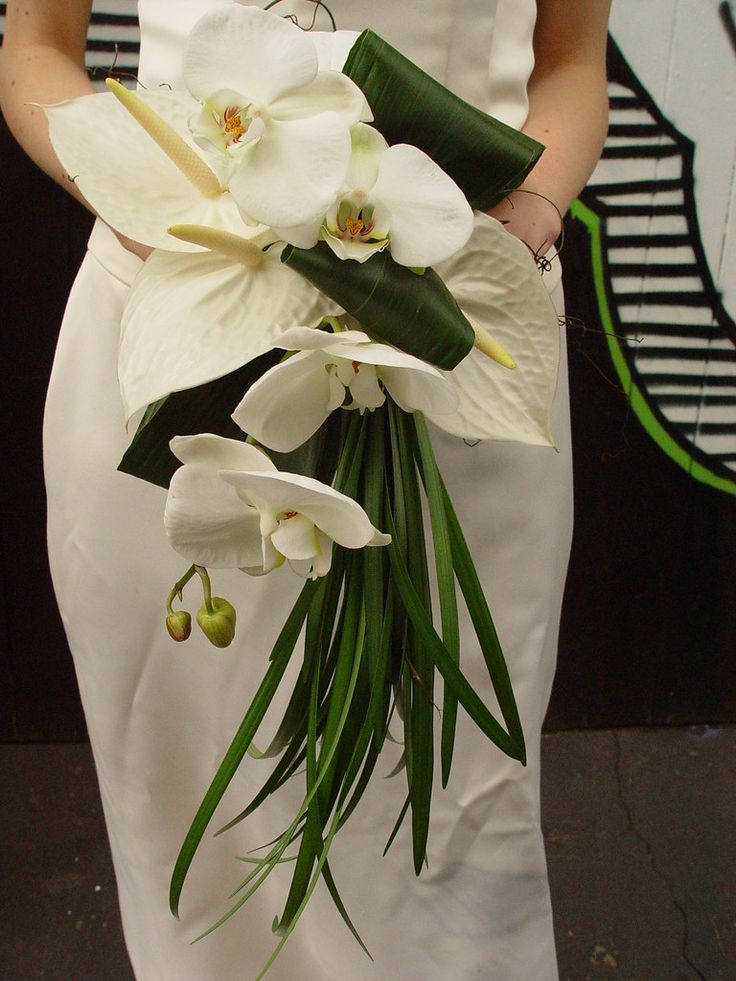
(290, 402)
(498, 287)
(393, 196)
(230, 508)
(266, 108)
(136, 164)
(191, 318)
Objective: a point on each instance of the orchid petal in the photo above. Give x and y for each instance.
(249, 50)
(328, 92)
(413, 384)
(333, 47)
(420, 390)
(347, 248)
(337, 392)
(322, 561)
(364, 387)
(513, 304)
(430, 217)
(219, 453)
(304, 236)
(339, 517)
(193, 318)
(294, 173)
(287, 404)
(368, 147)
(126, 177)
(296, 538)
(208, 523)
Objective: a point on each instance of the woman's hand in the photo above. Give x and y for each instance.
(530, 217)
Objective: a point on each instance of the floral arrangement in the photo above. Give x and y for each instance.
(320, 286)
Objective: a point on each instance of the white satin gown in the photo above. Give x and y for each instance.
(160, 715)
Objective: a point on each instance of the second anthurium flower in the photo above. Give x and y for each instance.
(291, 401)
(230, 508)
(394, 197)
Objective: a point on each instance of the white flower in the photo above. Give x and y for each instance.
(393, 196)
(291, 401)
(192, 318)
(267, 108)
(497, 286)
(122, 171)
(229, 507)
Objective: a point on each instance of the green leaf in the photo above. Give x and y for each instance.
(205, 409)
(419, 723)
(417, 314)
(485, 157)
(453, 676)
(445, 579)
(484, 628)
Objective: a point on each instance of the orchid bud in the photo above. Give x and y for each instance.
(218, 625)
(179, 625)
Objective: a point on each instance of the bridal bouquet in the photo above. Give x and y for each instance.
(320, 286)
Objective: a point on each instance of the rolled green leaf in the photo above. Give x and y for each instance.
(416, 313)
(484, 156)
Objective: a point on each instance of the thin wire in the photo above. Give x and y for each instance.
(317, 4)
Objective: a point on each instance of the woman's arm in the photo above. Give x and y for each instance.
(568, 112)
(42, 61)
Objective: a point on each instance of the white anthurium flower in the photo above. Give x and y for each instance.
(230, 508)
(191, 318)
(128, 179)
(267, 108)
(497, 285)
(393, 196)
(291, 401)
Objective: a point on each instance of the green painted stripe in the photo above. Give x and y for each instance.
(637, 399)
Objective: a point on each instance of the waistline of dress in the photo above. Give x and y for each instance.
(107, 250)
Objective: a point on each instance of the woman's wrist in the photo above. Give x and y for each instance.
(530, 216)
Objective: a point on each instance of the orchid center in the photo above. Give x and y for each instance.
(359, 381)
(354, 221)
(233, 125)
(228, 123)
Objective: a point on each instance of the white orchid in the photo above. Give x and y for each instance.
(190, 319)
(229, 507)
(266, 107)
(291, 401)
(393, 196)
(498, 287)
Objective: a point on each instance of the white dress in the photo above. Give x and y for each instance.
(161, 715)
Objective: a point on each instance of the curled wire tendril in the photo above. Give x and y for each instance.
(295, 20)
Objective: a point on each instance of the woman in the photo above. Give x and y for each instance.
(159, 718)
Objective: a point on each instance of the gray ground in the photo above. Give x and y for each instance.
(640, 835)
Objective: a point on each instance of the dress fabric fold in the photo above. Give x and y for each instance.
(161, 715)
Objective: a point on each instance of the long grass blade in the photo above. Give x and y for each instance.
(445, 579)
(283, 650)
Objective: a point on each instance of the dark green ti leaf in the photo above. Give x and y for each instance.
(416, 313)
(484, 157)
